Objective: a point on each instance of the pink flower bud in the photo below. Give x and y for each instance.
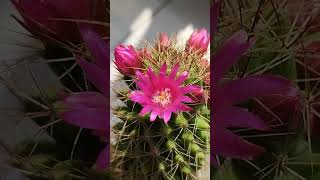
(198, 41)
(197, 96)
(200, 96)
(164, 40)
(127, 60)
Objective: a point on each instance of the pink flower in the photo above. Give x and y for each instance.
(162, 95)
(54, 23)
(164, 40)
(198, 41)
(127, 60)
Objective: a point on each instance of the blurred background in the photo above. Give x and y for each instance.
(17, 49)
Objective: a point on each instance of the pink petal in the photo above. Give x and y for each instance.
(153, 116)
(85, 99)
(253, 86)
(145, 110)
(144, 83)
(151, 75)
(174, 72)
(238, 117)
(163, 70)
(141, 77)
(182, 107)
(103, 160)
(166, 116)
(100, 78)
(230, 145)
(138, 96)
(89, 118)
(97, 46)
(229, 53)
(190, 89)
(144, 87)
(183, 76)
(186, 99)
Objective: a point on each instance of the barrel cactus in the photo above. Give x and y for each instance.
(163, 132)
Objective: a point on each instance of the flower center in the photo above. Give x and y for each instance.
(162, 97)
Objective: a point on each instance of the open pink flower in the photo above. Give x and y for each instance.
(162, 95)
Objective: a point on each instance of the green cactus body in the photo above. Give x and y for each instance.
(168, 150)
(159, 150)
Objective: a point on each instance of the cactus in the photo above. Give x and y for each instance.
(159, 150)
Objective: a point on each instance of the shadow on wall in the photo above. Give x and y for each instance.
(133, 21)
